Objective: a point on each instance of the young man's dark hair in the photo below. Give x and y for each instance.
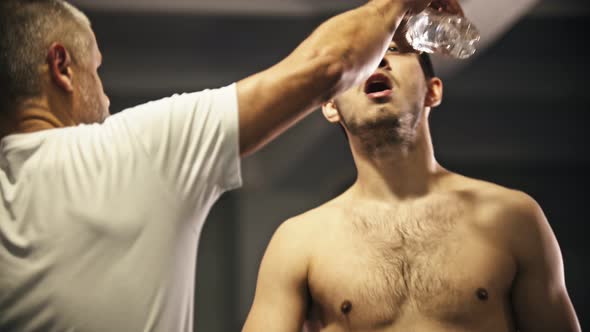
(426, 64)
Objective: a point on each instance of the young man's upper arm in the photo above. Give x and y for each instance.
(539, 295)
(280, 303)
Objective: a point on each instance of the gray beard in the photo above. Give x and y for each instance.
(90, 103)
(386, 134)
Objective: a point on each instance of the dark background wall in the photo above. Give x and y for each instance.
(515, 115)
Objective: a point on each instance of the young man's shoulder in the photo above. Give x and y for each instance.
(485, 192)
(321, 216)
(496, 205)
(316, 223)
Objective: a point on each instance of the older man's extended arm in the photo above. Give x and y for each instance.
(339, 54)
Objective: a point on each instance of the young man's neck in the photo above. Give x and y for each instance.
(397, 171)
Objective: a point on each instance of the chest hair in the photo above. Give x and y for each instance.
(406, 250)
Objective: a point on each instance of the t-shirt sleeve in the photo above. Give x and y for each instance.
(192, 139)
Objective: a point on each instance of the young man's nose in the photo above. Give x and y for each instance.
(384, 64)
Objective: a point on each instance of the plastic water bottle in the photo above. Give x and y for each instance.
(432, 31)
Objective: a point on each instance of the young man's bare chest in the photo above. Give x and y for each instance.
(427, 259)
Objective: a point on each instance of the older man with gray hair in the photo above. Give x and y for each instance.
(101, 215)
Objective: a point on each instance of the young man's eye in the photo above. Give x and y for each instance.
(392, 49)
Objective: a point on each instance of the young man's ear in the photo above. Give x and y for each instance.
(60, 66)
(330, 112)
(435, 93)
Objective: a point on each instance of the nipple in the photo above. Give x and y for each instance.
(346, 307)
(482, 294)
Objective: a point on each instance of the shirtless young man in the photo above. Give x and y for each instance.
(410, 246)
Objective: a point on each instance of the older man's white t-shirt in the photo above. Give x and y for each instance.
(99, 224)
